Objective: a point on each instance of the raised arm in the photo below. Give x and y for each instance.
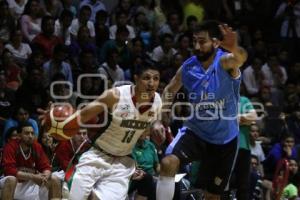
(237, 56)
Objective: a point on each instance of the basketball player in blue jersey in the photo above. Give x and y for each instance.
(212, 78)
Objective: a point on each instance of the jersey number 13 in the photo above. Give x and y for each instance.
(128, 136)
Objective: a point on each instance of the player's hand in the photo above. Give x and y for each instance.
(230, 39)
(46, 175)
(38, 179)
(45, 178)
(158, 135)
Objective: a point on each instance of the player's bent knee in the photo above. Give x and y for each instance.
(55, 178)
(11, 181)
(170, 165)
(54, 185)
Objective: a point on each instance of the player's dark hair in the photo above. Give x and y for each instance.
(210, 26)
(22, 125)
(146, 65)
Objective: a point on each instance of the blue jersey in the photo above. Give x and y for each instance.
(214, 96)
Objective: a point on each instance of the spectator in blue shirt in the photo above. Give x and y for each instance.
(20, 115)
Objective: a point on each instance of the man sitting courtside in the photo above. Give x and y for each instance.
(27, 171)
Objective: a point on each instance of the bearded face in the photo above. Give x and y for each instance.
(204, 46)
(204, 55)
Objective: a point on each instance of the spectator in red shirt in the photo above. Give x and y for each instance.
(67, 154)
(46, 39)
(26, 168)
(66, 151)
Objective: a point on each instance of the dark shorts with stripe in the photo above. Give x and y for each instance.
(216, 161)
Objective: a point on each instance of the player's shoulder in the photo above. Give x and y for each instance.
(190, 61)
(123, 90)
(157, 99)
(221, 54)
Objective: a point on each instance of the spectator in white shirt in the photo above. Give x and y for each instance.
(16, 7)
(275, 75)
(165, 52)
(253, 77)
(62, 26)
(83, 19)
(122, 20)
(20, 51)
(172, 26)
(111, 69)
(255, 145)
(31, 21)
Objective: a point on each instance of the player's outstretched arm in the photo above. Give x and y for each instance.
(169, 94)
(104, 102)
(237, 56)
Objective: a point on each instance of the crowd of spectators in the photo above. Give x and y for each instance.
(91, 45)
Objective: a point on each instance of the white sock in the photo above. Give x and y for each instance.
(165, 188)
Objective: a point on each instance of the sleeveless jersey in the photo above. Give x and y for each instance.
(214, 96)
(126, 124)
